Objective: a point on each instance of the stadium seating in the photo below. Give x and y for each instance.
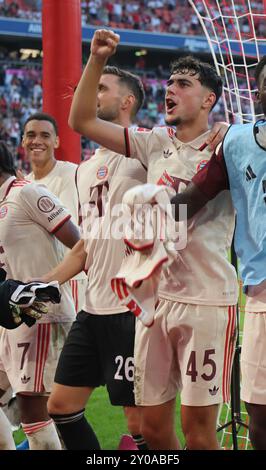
(163, 16)
(21, 81)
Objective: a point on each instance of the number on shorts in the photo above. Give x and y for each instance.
(207, 361)
(128, 368)
(25, 347)
(191, 366)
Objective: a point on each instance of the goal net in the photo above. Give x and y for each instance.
(236, 34)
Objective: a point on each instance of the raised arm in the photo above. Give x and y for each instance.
(83, 113)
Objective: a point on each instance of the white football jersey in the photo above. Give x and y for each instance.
(102, 181)
(202, 274)
(61, 181)
(29, 215)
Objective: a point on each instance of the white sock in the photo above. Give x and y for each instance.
(42, 435)
(6, 436)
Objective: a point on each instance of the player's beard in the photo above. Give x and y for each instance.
(107, 114)
(173, 121)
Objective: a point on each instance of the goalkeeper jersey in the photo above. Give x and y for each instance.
(202, 273)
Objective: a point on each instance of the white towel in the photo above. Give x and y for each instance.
(149, 245)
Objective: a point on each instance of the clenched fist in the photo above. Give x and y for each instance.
(104, 43)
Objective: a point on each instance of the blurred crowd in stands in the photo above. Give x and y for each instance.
(25, 9)
(21, 96)
(21, 82)
(163, 16)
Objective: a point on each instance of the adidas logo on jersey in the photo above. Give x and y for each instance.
(25, 379)
(213, 390)
(250, 175)
(167, 153)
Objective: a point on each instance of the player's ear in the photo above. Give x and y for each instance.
(257, 96)
(209, 100)
(57, 142)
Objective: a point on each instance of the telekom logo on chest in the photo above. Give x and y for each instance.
(3, 212)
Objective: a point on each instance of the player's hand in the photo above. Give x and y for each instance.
(217, 134)
(36, 310)
(104, 43)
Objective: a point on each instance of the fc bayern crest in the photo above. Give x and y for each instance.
(3, 212)
(201, 164)
(102, 172)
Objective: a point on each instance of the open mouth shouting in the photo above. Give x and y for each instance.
(169, 105)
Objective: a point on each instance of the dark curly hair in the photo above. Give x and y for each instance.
(207, 74)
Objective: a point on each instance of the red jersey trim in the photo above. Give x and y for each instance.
(43, 341)
(15, 184)
(79, 206)
(138, 247)
(61, 224)
(127, 143)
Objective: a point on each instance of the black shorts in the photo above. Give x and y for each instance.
(99, 350)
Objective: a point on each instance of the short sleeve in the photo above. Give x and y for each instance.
(136, 141)
(43, 207)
